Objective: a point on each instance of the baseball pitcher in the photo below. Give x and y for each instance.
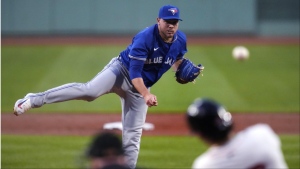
(130, 75)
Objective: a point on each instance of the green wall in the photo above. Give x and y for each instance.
(102, 17)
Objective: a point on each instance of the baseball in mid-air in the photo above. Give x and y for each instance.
(240, 53)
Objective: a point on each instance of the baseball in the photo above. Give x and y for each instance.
(240, 53)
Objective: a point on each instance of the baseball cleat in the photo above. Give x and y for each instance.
(21, 106)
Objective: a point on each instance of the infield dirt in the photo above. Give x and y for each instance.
(164, 124)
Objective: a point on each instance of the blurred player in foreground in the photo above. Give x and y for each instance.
(256, 147)
(106, 152)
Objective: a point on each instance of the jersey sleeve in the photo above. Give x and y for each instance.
(202, 161)
(182, 40)
(182, 53)
(139, 49)
(135, 69)
(276, 159)
(268, 142)
(138, 55)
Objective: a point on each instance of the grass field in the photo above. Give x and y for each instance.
(267, 82)
(156, 152)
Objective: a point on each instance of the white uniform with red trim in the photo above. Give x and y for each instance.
(256, 147)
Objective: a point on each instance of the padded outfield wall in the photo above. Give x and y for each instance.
(123, 17)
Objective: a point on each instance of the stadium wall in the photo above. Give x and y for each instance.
(123, 17)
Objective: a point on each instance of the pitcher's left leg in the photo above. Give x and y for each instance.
(134, 111)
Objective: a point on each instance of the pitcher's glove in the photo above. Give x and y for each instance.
(187, 71)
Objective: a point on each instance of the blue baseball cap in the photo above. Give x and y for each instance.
(169, 12)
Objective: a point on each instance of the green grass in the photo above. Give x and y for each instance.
(41, 151)
(267, 82)
(291, 150)
(156, 151)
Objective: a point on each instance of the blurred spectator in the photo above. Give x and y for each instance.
(106, 152)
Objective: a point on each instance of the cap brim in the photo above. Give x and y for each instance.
(167, 18)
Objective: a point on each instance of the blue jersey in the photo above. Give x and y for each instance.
(153, 54)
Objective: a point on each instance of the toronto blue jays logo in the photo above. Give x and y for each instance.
(173, 10)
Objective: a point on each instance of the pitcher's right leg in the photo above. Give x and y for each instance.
(101, 84)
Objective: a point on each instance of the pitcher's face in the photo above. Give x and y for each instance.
(167, 28)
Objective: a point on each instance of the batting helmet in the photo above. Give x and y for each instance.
(210, 119)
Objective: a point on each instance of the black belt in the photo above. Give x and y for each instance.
(120, 59)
